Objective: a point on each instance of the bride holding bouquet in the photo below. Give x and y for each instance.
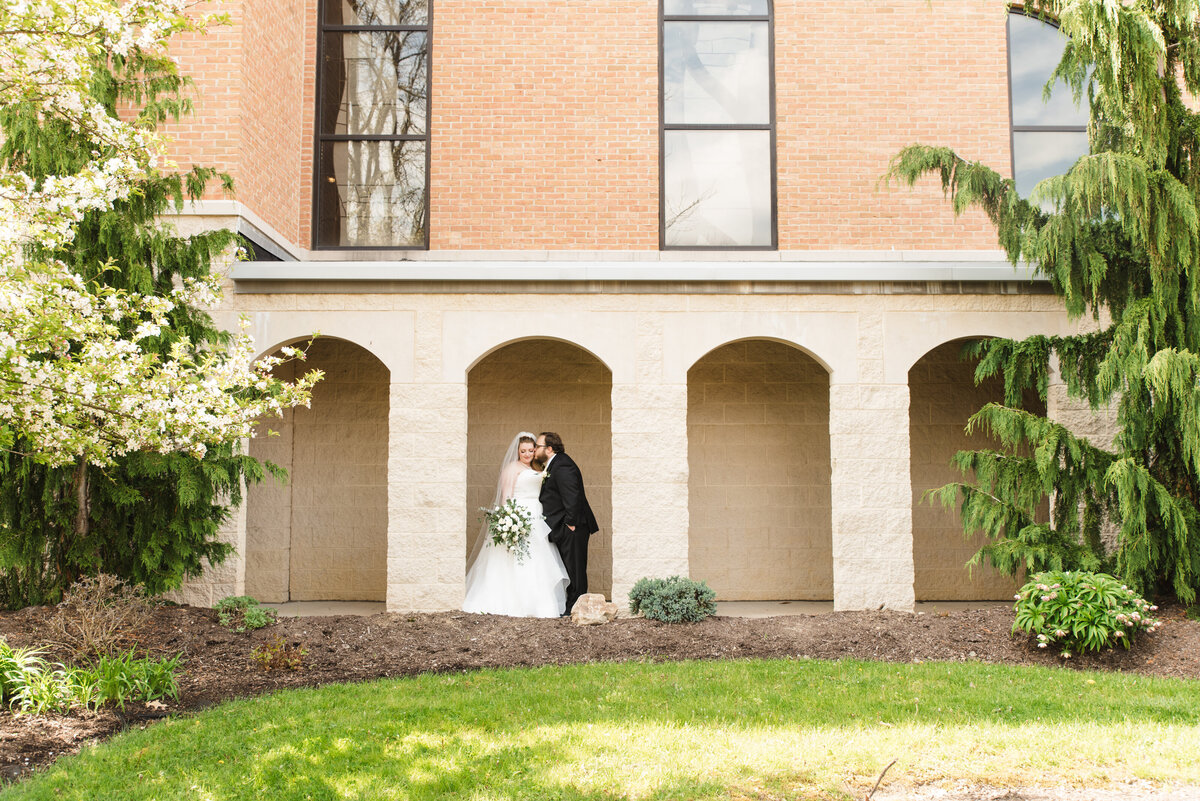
(513, 568)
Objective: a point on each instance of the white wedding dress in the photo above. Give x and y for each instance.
(497, 584)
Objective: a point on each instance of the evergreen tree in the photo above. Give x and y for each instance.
(1118, 237)
(150, 518)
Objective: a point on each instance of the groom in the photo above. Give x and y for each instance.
(565, 507)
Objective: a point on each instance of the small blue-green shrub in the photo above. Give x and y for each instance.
(243, 613)
(673, 600)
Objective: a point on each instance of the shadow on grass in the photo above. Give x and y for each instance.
(584, 733)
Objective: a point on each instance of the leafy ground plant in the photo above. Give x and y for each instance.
(28, 684)
(1081, 611)
(243, 613)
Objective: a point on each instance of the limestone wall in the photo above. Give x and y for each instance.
(462, 374)
(758, 468)
(269, 508)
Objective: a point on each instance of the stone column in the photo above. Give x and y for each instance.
(427, 497)
(872, 496)
(1099, 427)
(649, 469)
(650, 485)
(427, 481)
(227, 578)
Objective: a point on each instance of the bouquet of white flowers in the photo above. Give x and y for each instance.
(509, 525)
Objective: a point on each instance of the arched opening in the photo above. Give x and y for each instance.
(759, 473)
(322, 535)
(942, 397)
(544, 385)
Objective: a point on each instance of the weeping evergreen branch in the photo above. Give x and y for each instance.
(150, 518)
(1118, 238)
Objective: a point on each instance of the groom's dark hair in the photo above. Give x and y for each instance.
(553, 440)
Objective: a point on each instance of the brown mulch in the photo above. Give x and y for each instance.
(218, 665)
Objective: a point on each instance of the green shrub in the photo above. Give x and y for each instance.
(1081, 611)
(243, 613)
(15, 663)
(29, 685)
(672, 600)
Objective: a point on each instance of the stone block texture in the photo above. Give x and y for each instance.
(540, 386)
(869, 487)
(943, 397)
(758, 470)
(323, 536)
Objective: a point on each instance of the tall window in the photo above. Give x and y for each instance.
(373, 124)
(717, 124)
(1048, 136)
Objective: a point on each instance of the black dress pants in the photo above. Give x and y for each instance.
(573, 548)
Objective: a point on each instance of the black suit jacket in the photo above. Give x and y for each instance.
(564, 503)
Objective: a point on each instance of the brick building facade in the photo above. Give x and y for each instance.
(759, 402)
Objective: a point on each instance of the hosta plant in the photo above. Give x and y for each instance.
(1079, 611)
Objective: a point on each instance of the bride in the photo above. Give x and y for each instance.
(497, 584)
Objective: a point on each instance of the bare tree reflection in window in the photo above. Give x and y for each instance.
(376, 86)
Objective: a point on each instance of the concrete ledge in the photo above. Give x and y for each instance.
(692, 271)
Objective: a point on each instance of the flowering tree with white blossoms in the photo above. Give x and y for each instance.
(79, 375)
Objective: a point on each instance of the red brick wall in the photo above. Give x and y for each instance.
(854, 83)
(210, 137)
(545, 125)
(544, 119)
(278, 38)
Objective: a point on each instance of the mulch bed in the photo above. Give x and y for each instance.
(218, 665)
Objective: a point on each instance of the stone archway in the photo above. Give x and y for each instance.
(322, 535)
(544, 385)
(942, 397)
(759, 473)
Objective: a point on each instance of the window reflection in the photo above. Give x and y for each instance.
(716, 73)
(374, 194)
(1044, 154)
(1048, 134)
(379, 86)
(718, 188)
(372, 124)
(376, 12)
(1035, 48)
(716, 8)
(717, 128)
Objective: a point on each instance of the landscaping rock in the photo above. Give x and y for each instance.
(592, 610)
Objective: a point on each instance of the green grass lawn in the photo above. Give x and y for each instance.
(713, 730)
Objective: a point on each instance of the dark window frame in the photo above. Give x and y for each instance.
(1013, 128)
(320, 138)
(663, 127)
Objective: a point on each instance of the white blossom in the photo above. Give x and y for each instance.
(72, 381)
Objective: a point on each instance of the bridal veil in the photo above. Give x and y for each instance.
(510, 468)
